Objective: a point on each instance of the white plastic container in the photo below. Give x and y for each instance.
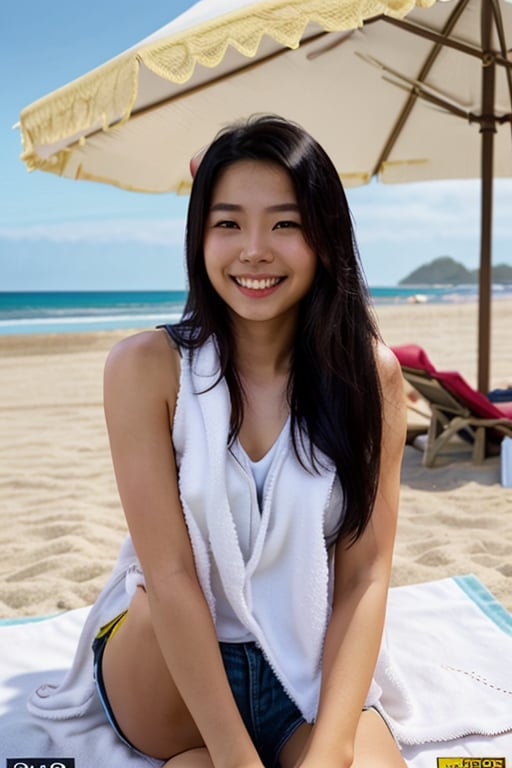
(506, 462)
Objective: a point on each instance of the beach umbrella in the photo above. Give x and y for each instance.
(391, 89)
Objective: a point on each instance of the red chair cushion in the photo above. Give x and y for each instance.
(472, 398)
(413, 356)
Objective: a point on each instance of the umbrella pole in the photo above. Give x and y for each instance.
(487, 129)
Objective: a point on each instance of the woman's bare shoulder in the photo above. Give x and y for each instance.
(144, 345)
(143, 357)
(392, 384)
(390, 372)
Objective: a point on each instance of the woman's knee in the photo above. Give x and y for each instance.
(375, 746)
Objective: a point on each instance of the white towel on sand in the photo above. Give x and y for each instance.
(446, 671)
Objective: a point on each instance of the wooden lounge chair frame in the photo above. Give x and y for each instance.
(482, 423)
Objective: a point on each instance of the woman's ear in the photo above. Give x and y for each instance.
(196, 161)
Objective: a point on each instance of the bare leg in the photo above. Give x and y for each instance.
(194, 758)
(144, 699)
(374, 746)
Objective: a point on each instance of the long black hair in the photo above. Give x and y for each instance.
(334, 391)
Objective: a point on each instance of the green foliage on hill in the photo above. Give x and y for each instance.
(447, 271)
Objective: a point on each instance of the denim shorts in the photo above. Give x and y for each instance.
(269, 714)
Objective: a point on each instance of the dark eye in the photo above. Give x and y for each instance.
(226, 224)
(287, 224)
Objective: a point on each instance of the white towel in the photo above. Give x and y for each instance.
(445, 669)
(448, 656)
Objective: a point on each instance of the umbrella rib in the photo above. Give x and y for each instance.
(439, 37)
(427, 66)
(422, 93)
(420, 88)
(471, 117)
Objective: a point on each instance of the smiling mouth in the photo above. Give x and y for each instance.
(255, 284)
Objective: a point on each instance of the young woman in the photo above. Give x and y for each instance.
(257, 448)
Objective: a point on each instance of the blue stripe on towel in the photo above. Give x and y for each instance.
(27, 620)
(485, 601)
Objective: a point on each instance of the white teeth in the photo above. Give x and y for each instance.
(257, 285)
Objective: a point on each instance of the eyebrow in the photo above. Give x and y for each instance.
(281, 207)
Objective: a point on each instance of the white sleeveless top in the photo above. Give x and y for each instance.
(247, 522)
(260, 468)
(272, 567)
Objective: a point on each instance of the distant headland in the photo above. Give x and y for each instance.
(447, 271)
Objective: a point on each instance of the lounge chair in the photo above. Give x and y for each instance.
(457, 408)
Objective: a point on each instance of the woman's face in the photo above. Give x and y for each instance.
(256, 255)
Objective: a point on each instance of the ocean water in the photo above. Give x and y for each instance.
(76, 311)
(66, 312)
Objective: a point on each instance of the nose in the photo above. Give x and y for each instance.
(256, 248)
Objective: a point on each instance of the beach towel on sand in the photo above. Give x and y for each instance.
(445, 669)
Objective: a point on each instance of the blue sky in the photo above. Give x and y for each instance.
(58, 234)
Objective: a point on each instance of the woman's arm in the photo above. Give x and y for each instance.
(141, 386)
(362, 574)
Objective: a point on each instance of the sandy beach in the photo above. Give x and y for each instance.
(61, 519)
